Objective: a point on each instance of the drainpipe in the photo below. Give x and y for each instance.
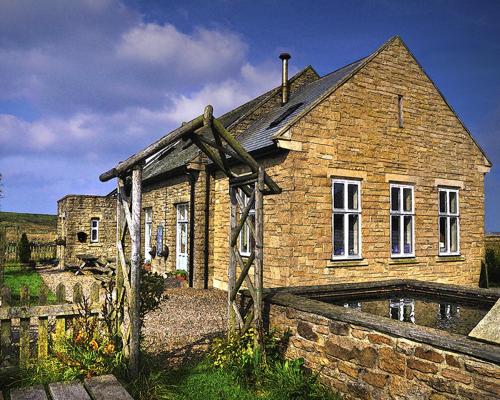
(192, 184)
(207, 227)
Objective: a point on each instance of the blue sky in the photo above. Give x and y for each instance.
(86, 83)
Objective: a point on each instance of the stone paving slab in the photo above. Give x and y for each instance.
(68, 391)
(488, 329)
(106, 387)
(29, 393)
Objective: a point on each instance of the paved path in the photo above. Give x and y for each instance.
(104, 387)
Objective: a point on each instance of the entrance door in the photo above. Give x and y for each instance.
(148, 224)
(182, 236)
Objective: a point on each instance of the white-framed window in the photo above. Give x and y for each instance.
(402, 221)
(148, 230)
(449, 222)
(94, 230)
(246, 239)
(346, 219)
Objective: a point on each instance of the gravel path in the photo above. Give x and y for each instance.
(187, 320)
(52, 276)
(179, 331)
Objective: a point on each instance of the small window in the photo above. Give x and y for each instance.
(94, 230)
(246, 239)
(402, 221)
(346, 219)
(400, 111)
(449, 222)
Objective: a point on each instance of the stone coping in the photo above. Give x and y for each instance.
(300, 299)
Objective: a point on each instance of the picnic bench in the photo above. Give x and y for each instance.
(105, 387)
(92, 264)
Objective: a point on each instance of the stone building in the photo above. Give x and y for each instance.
(86, 225)
(380, 179)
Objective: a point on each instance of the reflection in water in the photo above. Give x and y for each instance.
(434, 313)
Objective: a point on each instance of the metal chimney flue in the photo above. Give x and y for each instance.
(285, 90)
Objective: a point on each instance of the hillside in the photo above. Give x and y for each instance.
(38, 227)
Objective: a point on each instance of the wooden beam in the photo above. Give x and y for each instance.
(231, 272)
(259, 254)
(135, 272)
(248, 159)
(152, 149)
(243, 219)
(244, 272)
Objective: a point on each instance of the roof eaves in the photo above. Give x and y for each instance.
(313, 104)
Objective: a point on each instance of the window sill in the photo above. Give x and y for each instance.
(347, 263)
(404, 260)
(450, 258)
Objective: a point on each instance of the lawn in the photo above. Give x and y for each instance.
(16, 276)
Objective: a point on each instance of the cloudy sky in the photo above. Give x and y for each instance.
(86, 83)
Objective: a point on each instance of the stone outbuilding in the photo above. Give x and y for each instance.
(380, 179)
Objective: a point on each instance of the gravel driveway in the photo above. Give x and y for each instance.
(180, 330)
(185, 323)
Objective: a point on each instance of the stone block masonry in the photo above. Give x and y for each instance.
(361, 363)
(74, 215)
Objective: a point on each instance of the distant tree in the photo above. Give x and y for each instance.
(24, 249)
(1, 191)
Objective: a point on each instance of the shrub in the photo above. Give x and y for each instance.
(24, 250)
(492, 261)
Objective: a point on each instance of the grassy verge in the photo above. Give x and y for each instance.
(17, 276)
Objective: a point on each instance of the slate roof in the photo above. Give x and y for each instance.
(262, 132)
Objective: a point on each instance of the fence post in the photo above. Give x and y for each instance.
(5, 325)
(43, 325)
(24, 330)
(60, 321)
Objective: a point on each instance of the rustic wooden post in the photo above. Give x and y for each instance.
(231, 273)
(60, 320)
(120, 227)
(43, 325)
(24, 330)
(259, 253)
(135, 271)
(5, 325)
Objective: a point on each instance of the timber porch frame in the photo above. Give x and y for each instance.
(210, 136)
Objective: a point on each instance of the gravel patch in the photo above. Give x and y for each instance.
(181, 330)
(52, 276)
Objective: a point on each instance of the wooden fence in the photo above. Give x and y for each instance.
(39, 251)
(25, 328)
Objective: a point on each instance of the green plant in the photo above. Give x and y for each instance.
(180, 273)
(492, 261)
(152, 291)
(24, 250)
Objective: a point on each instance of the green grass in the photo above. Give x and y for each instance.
(205, 382)
(16, 276)
(23, 218)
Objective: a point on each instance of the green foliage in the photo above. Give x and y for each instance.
(152, 291)
(271, 377)
(181, 273)
(16, 277)
(492, 261)
(24, 250)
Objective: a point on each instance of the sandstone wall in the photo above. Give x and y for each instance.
(364, 364)
(354, 133)
(74, 213)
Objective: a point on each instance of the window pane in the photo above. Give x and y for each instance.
(395, 235)
(338, 234)
(453, 234)
(453, 202)
(93, 235)
(407, 206)
(395, 199)
(338, 195)
(353, 234)
(442, 235)
(408, 228)
(352, 196)
(442, 201)
(183, 249)
(244, 239)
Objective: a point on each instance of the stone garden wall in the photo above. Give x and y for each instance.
(361, 363)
